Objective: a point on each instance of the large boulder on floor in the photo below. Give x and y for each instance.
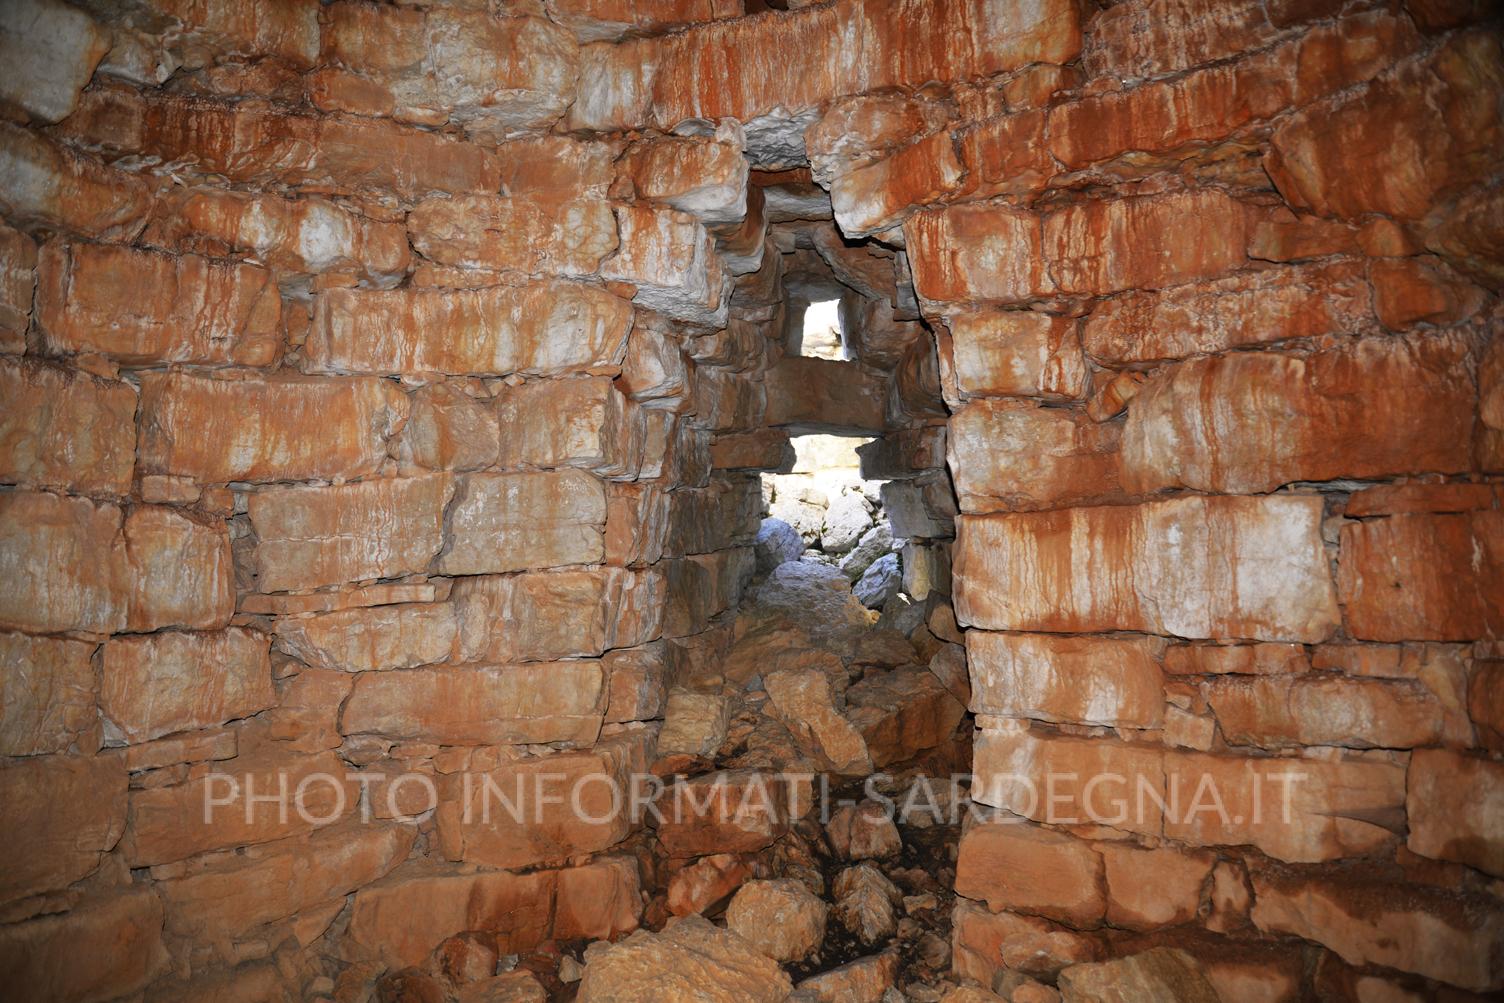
(781, 918)
(1163, 975)
(817, 599)
(902, 713)
(848, 517)
(803, 509)
(805, 702)
(777, 543)
(863, 832)
(692, 961)
(882, 580)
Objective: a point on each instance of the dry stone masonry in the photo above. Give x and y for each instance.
(387, 391)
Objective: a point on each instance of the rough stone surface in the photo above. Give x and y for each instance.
(692, 960)
(779, 918)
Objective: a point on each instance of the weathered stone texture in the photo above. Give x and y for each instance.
(1193, 567)
(47, 695)
(62, 813)
(519, 522)
(88, 300)
(64, 429)
(157, 684)
(541, 329)
(308, 537)
(265, 428)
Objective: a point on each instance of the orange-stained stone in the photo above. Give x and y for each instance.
(307, 537)
(310, 235)
(1107, 681)
(89, 301)
(1248, 422)
(535, 234)
(524, 704)
(1455, 807)
(523, 521)
(986, 944)
(62, 813)
(515, 907)
(218, 430)
(47, 695)
(1102, 247)
(1017, 866)
(585, 423)
(882, 194)
(538, 329)
(62, 428)
(977, 253)
(542, 615)
(1016, 353)
(103, 947)
(44, 183)
(66, 564)
(1241, 310)
(1421, 576)
(157, 684)
(824, 395)
(1401, 141)
(181, 573)
(1152, 888)
(1279, 711)
(1015, 454)
(600, 901)
(1193, 567)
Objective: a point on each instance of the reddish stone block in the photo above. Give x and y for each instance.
(1152, 888)
(1115, 682)
(103, 947)
(47, 184)
(1277, 712)
(1017, 866)
(47, 695)
(65, 429)
(156, 684)
(1012, 454)
(534, 234)
(974, 253)
(1454, 807)
(824, 395)
(1193, 567)
(89, 301)
(880, 195)
(1016, 354)
(66, 561)
(524, 521)
(62, 814)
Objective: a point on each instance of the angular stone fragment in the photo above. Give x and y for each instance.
(1471, 233)
(1454, 807)
(866, 903)
(64, 429)
(449, 430)
(308, 537)
(480, 705)
(767, 450)
(52, 49)
(493, 76)
(694, 724)
(1030, 869)
(1193, 567)
(538, 329)
(44, 183)
(691, 960)
(307, 236)
(66, 563)
(863, 831)
(1240, 310)
(519, 522)
(62, 813)
(1017, 353)
(1423, 576)
(1103, 247)
(987, 943)
(706, 883)
(1250, 422)
(515, 907)
(599, 901)
(541, 808)
(803, 700)
(1446, 935)
(901, 713)
(1006, 155)
(514, 233)
(89, 301)
(96, 951)
(265, 428)
(47, 695)
(781, 918)
(671, 259)
(865, 980)
(1009, 455)
(558, 614)
(1278, 711)
(1238, 659)
(227, 898)
(382, 637)
(1397, 143)
(157, 684)
(1108, 681)
(1143, 38)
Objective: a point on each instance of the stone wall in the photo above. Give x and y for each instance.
(386, 388)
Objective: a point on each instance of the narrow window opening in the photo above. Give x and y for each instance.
(822, 331)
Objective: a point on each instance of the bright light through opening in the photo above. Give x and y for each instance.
(822, 331)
